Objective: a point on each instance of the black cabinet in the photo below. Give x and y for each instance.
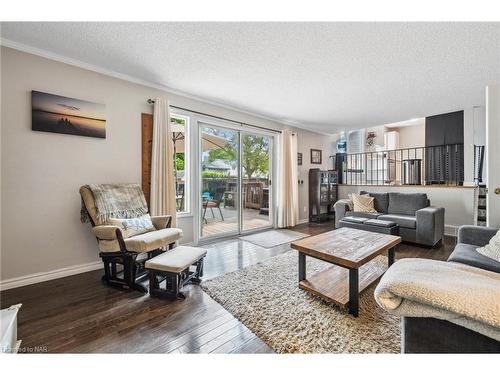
(323, 193)
(444, 155)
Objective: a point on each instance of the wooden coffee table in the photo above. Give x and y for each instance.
(350, 251)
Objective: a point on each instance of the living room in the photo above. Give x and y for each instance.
(291, 187)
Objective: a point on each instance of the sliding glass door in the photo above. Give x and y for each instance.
(256, 166)
(235, 181)
(220, 174)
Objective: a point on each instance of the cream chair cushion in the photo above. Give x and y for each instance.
(160, 222)
(106, 235)
(133, 226)
(109, 246)
(88, 199)
(176, 260)
(152, 240)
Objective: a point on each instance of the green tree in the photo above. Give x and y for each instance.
(255, 154)
(179, 162)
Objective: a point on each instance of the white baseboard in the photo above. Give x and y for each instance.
(303, 221)
(39, 277)
(451, 230)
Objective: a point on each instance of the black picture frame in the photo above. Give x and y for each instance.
(316, 156)
(299, 158)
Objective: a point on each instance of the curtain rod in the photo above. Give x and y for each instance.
(151, 101)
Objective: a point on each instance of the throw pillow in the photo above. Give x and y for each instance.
(363, 203)
(134, 226)
(492, 250)
(350, 202)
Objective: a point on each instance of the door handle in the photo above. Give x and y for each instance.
(497, 190)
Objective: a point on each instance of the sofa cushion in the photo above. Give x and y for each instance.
(369, 215)
(381, 201)
(405, 221)
(467, 254)
(406, 203)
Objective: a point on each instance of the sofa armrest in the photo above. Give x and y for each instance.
(478, 236)
(430, 225)
(341, 207)
(107, 232)
(162, 222)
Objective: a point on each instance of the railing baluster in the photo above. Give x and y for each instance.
(425, 165)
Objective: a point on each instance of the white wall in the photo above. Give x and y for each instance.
(411, 136)
(41, 172)
(379, 138)
(457, 202)
(493, 154)
(306, 141)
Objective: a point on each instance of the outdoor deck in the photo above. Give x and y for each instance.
(215, 226)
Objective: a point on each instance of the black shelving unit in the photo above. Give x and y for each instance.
(323, 192)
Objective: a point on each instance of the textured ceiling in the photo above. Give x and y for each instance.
(323, 76)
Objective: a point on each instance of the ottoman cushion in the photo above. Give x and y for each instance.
(354, 219)
(176, 260)
(368, 215)
(380, 223)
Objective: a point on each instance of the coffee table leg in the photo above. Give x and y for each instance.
(391, 255)
(353, 292)
(302, 266)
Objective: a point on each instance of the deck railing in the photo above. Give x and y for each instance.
(255, 191)
(405, 166)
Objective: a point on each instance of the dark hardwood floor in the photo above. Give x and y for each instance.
(79, 314)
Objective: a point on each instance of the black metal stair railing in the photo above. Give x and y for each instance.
(442, 165)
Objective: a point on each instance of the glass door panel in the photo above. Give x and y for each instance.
(256, 151)
(219, 203)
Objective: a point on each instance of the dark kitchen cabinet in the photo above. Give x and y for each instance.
(444, 155)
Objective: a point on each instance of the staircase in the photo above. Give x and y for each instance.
(480, 216)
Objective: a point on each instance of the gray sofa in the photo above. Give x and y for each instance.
(418, 221)
(469, 239)
(431, 335)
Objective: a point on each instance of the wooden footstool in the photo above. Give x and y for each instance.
(174, 266)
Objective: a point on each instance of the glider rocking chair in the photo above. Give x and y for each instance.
(117, 249)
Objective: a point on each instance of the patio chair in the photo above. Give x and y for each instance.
(213, 203)
(116, 248)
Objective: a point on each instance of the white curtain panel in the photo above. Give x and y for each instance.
(162, 200)
(288, 195)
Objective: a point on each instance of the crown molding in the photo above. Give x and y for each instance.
(125, 77)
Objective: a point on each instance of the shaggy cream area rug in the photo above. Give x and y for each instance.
(267, 299)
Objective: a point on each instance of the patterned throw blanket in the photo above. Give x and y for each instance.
(117, 201)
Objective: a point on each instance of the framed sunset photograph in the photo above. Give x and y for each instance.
(60, 114)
